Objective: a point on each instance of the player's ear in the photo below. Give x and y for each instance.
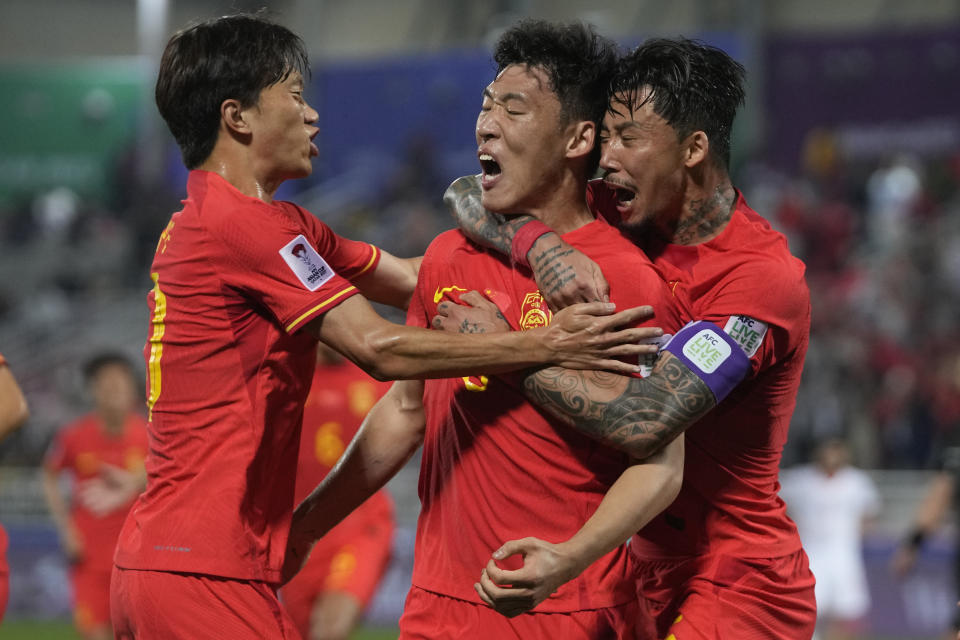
(232, 116)
(697, 146)
(582, 136)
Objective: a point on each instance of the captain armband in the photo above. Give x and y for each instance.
(712, 355)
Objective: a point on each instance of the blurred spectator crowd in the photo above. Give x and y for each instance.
(881, 241)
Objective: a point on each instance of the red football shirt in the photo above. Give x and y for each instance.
(745, 281)
(82, 448)
(340, 398)
(494, 468)
(228, 372)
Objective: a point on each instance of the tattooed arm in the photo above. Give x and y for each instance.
(563, 274)
(638, 416)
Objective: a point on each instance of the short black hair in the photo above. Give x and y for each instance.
(579, 63)
(694, 87)
(234, 56)
(97, 363)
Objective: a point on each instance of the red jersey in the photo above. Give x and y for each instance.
(340, 398)
(494, 468)
(82, 448)
(745, 281)
(228, 372)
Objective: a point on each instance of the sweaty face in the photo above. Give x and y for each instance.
(642, 160)
(283, 131)
(520, 140)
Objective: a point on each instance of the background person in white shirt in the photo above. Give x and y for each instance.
(830, 501)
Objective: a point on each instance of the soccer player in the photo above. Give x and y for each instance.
(492, 466)
(13, 413)
(328, 597)
(831, 500)
(723, 560)
(103, 453)
(244, 288)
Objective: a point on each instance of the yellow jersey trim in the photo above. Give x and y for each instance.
(293, 325)
(373, 259)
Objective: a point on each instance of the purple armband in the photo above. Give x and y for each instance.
(712, 355)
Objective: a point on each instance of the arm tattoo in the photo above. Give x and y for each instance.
(556, 273)
(635, 415)
(483, 227)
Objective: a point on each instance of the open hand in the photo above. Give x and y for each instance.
(585, 336)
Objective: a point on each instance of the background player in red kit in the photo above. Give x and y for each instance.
(244, 288)
(103, 452)
(13, 413)
(328, 597)
(723, 560)
(537, 123)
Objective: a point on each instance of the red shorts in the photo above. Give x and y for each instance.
(724, 597)
(431, 616)
(158, 605)
(91, 596)
(352, 561)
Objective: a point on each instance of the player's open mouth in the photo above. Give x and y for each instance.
(624, 196)
(490, 167)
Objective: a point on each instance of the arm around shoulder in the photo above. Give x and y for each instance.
(580, 337)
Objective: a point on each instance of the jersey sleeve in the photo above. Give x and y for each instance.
(350, 258)
(279, 265)
(764, 307)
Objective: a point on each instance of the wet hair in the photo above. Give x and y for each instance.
(579, 63)
(233, 57)
(694, 87)
(99, 362)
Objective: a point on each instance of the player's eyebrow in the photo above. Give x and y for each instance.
(504, 97)
(629, 124)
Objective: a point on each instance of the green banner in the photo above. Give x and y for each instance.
(67, 124)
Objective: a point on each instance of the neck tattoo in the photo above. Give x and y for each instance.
(705, 217)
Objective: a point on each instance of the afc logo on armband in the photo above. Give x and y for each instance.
(747, 332)
(707, 350)
(306, 263)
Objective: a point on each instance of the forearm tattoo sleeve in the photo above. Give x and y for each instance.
(483, 227)
(635, 415)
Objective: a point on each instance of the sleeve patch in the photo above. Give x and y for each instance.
(746, 332)
(306, 263)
